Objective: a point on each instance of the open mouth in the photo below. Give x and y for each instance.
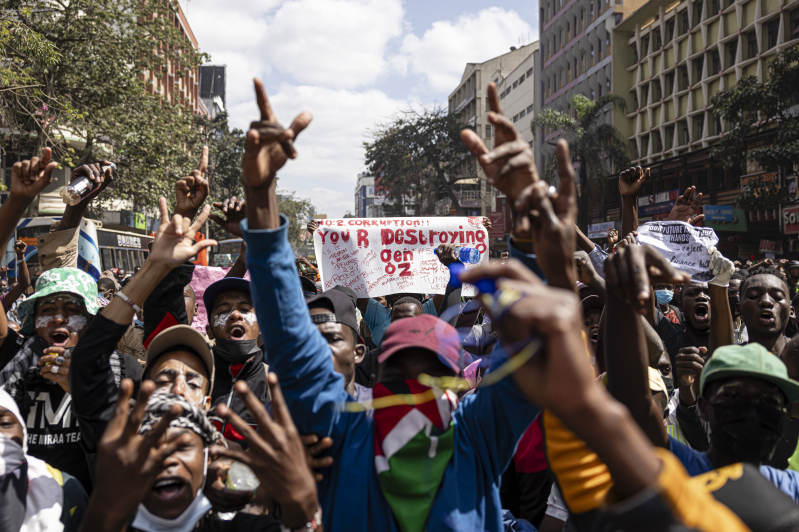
(767, 317)
(701, 312)
(237, 331)
(169, 488)
(59, 338)
(594, 335)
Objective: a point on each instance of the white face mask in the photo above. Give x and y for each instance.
(146, 521)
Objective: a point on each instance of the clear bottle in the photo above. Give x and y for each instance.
(76, 191)
(241, 478)
(468, 255)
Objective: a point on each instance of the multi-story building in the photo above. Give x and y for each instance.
(469, 100)
(518, 95)
(576, 49)
(670, 58)
(365, 196)
(212, 88)
(177, 89)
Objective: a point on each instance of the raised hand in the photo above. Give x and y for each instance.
(191, 191)
(551, 219)
(95, 173)
(235, 211)
(125, 454)
(224, 499)
(631, 181)
(30, 177)
(510, 166)
(687, 206)
(55, 366)
(613, 237)
(268, 145)
(688, 365)
(631, 270)
(275, 453)
(173, 244)
(585, 269)
(447, 254)
(314, 449)
(628, 240)
(19, 248)
(486, 221)
(312, 226)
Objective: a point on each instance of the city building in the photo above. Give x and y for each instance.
(517, 94)
(212, 88)
(669, 59)
(365, 196)
(576, 50)
(469, 101)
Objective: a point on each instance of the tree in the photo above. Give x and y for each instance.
(92, 89)
(594, 144)
(225, 150)
(418, 156)
(754, 111)
(297, 210)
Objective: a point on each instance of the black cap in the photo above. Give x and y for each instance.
(793, 264)
(340, 304)
(308, 287)
(349, 292)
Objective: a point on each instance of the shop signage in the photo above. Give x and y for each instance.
(718, 213)
(497, 224)
(657, 203)
(790, 220)
(766, 182)
(738, 222)
(771, 246)
(600, 230)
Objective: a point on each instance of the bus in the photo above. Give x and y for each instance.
(225, 253)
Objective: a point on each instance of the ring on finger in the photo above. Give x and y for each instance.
(59, 360)
(54, 369)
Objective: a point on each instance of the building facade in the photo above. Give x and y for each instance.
(576, 49)
(518, 95)
(469, 101)
(212, 88)
(670, 58)
(365, 196)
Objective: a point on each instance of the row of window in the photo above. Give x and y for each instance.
(526, 75)
(560, 78)
(681, 130)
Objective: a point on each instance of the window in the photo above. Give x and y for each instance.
(576, 73)
(635, 55)
(592, 55)
(669, 137)
(635, 101)
(599, 49)
(522, 113)
(658, 39)
(489, 132)
(716, 62)
(645, 46)
(686, 137)
(645, 95)
(751, 45)
(699, 125)
(529, 109)
(591, 10)
(607, 84)
(684, 27)
(593, 95)
(501, 97)
(515, 84)
(669, 88)
(732, 51)
(568, 72)
(108, 258)
(521, 79)
(683, 78)
(715, 7)
(773, 29)
(794, 25)
(697, 12)
(669, 30)
(582, 19)
(515, 119)
(530, 73)
(658, 143)
(658, 92)
(716, 125)
(568, 31)
(699, 64)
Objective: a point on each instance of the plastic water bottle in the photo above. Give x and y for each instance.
(241, 478)
(468, 255)
(77, 191)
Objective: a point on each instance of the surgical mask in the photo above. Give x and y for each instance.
(138, 323)
(669, 382)
(746, 430)
(664, 296)
(236, 351)
(146, 521)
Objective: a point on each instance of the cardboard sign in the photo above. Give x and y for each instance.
(790, 220)
(682, 244)
(381, 256)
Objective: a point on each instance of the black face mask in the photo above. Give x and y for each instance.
(669, 382)
(236, 351)
(734, 301)
(747, 430)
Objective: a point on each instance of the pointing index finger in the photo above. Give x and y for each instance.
(493, 99)
(263, 102)
(203, 161)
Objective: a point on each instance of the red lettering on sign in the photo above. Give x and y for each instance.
(410, 234)
(386, 237)
(400, 236)
(385, 255)
(404, 269)
(363, 238)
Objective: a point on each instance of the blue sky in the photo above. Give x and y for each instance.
(353, 64)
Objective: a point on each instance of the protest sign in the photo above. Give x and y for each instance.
(381, 256)
(682, 244)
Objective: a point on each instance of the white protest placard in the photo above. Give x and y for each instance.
(682, 244)
(381, 256)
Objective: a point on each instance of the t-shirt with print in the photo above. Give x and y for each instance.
(378, 317)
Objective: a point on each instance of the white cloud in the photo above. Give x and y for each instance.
(334, 43)
(441, 54)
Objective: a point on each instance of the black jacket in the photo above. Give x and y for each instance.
(225, 376)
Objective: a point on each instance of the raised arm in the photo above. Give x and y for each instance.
(74, 213)
(626, 353)
(721, 328)
(630, 183)
(23, 278)
(28, 179)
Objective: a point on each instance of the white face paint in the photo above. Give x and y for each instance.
(76, 323)
(43, 321)
(250, 317)
(221, 319)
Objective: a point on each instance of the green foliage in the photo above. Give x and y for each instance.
(225, 152)
(297, 211)
(417, 157)
(71, 80)
(751, 108)
(595, 145)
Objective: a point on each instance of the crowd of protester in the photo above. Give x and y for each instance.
(583, 389)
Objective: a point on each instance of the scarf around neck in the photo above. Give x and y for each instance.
(413, 446)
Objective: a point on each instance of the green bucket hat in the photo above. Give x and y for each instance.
(751, 360)
(69, 280)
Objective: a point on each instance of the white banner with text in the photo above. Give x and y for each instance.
(682, 244)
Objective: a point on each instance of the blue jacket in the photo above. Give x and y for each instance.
(488, 424)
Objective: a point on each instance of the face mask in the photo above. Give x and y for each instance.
(669, 382)
(236, 351)
(747, 430)
(663, 296)
(146, 521)
(138, 323)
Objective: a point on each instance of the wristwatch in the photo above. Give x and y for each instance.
(310, 526)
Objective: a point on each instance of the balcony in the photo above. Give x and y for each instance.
(466, 101)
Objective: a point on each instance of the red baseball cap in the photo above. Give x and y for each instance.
(423, 332)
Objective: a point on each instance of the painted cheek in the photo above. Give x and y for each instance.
(250, 318)
(42, 322)
(221, 319)
(76, 324)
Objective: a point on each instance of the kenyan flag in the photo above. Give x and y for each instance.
(413, 445)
